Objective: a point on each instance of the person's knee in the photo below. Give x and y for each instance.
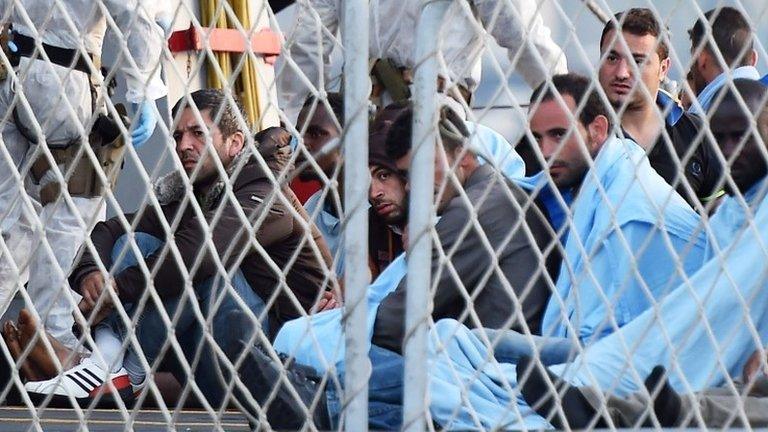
(242, 332)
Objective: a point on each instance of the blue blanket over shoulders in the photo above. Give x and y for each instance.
(631, 239)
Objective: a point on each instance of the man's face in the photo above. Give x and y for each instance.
(319, 130)
(444, 162)
(191, 136)
(730, 126)
(562, 145)
(617, 75)
(388, 195)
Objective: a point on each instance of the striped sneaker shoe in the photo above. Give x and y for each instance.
(84, 382)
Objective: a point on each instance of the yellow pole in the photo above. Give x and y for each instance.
(208, 9)
(247, 81)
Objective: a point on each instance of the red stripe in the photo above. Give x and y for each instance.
(119, 383)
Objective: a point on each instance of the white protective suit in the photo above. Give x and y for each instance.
(65, 24)
(515, 24)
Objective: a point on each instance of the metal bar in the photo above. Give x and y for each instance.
(354, 33)
(264, 42)
(421, 215)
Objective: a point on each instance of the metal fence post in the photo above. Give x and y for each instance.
(354, 33)
(421, 215)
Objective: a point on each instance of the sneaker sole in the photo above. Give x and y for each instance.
(106, 400)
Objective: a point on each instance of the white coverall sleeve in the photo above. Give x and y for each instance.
(309, 46)
(145, 39)
(517, 25)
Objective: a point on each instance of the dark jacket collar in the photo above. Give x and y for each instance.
(170, 187)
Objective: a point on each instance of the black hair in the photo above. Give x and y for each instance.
(755, 96)
(222, 112)
(639, 22)
(335, 101)
(453, 132)
(581, 90)
(730, 31)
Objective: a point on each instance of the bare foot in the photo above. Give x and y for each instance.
(11, 337)
(39, 355)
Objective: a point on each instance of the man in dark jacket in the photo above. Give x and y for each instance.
(508, 222)
(234, 242)
(649, 116)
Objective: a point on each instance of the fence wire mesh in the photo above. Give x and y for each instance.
(387, 215)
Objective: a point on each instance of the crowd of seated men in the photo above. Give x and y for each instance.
(617, 284)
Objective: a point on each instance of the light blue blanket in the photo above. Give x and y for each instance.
(622, 247)
(705, 330)
(318, 340)
(598, 285)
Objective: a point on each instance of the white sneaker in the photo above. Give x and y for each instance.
(84, 382)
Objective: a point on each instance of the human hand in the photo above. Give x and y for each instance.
(144, 124)
(92, 289)
(327, 301)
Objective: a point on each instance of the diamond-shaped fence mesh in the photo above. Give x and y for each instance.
(322, 215)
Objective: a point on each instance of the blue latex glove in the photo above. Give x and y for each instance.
(145, 124)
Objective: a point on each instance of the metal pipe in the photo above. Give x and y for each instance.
(421, 215)
(357, 89)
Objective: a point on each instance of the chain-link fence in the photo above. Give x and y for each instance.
(386, 215)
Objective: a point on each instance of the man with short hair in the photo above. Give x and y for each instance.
(639, 224)
(387, 195)
(490, 196)
(733, 40)
(281, 261)
(321, 127)
(708, 328)
(649, 116)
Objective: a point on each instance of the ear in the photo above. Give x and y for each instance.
(753, 58)
(664, 68)
(237, 142)
(598, 133)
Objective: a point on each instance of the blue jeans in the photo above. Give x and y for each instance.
(385, 392)
(511, 346)
(152, 333)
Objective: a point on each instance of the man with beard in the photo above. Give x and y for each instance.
(733, 40)
(708, 328)
(387, 195)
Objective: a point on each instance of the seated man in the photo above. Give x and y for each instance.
(321, 134)
(649, 116)
(628, 231)
(259, 236)
(387, 195)
(703, 331)
(490, 197)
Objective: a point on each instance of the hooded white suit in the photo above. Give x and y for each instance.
(71, 24)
